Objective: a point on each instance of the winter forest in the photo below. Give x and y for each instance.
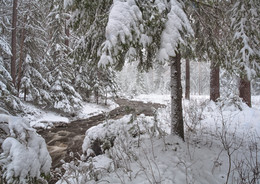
(130, 91)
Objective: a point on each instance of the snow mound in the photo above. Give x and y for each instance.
(101, 137)
(25, 156)
(132, 150)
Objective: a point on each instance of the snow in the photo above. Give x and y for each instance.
(171, 36)
(140, 151)
(67, 3)
(124, 17)
(91, 109)
(5, 46)
(25, 155)
(154, 98)
(46, 119)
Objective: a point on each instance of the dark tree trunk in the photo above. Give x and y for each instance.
(176, 97)
(187, 81)
(245, 91)
(13, 43)
(199, 80)
(25, 94)
(96, 95)
(67, 32)
(20, 61)
(214, 81)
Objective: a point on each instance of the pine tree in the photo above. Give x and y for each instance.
(33, 48)
(245, 24)
(88, 22)
(61, 76)
(210, 35)
(128, 35)
(8, 99)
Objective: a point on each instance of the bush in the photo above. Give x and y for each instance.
(24, 157)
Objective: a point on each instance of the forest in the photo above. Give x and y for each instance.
(130, 91)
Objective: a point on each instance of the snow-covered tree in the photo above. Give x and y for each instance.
(210, 42)
(61, 66)
(245, 22)
(88, 21)
(8, 100)
(128, 35)
(33, 44)
(33, 81)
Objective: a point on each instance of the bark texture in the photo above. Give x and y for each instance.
(245, 91)
(176, 97)
(13, 42)
(21, 61)
(67, 32)
(214, 82)
(187, 81)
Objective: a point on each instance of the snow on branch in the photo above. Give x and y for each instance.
(123, 20)
(5, 46)
(177, 23)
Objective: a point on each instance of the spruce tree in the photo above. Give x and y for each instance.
(128, 35)
(245, 24)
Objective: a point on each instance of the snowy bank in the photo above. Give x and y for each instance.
(221, 146)
(24, 156)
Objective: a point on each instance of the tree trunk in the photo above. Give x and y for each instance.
(67, 32)
(96, 95)
(13, 42)
(25, 94)
(20, 61)
(214, 81)
(176, 97)
(199, 80)
(187, 81)
(245, 91)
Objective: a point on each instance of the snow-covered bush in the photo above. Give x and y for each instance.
(101, 137)
(107, 147)
(24, 157)
(78, 171)
(8, 100)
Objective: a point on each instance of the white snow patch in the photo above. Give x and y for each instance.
(167, 159)
(91, 109)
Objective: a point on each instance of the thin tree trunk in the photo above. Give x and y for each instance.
(199, 80)
(67, 32)
(13, 42)
(245, 91)
(20, 61)
(187, 81)
(96, 95)
(176, 97)
(214, 81)
(25, 94)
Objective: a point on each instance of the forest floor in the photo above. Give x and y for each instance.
(64, 138)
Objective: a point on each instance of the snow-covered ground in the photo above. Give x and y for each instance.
(46, 119)
(90, 109)
(221, 146)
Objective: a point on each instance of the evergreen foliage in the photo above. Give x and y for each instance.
(245, 22)
(60, 70)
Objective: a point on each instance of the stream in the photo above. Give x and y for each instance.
(63, 139)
